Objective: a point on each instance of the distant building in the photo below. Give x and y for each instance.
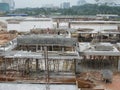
(10, 3)
(4, 7)
(48, 6)
(81, 2)
(51, 6)
(65, 5)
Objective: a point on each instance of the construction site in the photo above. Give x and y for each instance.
(84, 57)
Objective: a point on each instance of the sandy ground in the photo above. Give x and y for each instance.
(115, 85)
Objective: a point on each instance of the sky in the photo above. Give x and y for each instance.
(39, 3)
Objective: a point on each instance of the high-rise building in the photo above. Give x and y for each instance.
(81, 2)
(11, 3)
(4, 7)
(65, 5)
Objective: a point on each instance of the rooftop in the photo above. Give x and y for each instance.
(46, 40)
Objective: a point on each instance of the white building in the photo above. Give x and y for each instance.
(10, 2)
(81, 2)
(65, 5)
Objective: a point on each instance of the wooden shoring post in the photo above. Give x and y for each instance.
(109, 57)
(22, 66)
(74, 63)
(54, 64)
(5, 66)
(93, 63)
(41, 48)
(27, 49)
(85, 61)
(112, 64)
(1, 67)
(116, 62)
(94, 57)
(69, 25)
(66, 65)
(17, 66)
(97, 64)
(27, 66)
(90, 62)
(84, 57)
(36, 48)
(37, 65)
(117, 57)
(90, 57)
(71, 66)
(57, 24)
(52, 47)
(19, 47)
(41, 64)
(57, 65)
(49, 64)
(63, 49)
(101, 63)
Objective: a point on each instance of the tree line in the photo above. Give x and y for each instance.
(88, 9)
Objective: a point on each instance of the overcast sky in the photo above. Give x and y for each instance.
(39, 3)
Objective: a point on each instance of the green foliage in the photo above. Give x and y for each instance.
(88, 9)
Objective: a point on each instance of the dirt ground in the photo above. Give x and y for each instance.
(6, 37)
(99, 84)
(115, 85)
